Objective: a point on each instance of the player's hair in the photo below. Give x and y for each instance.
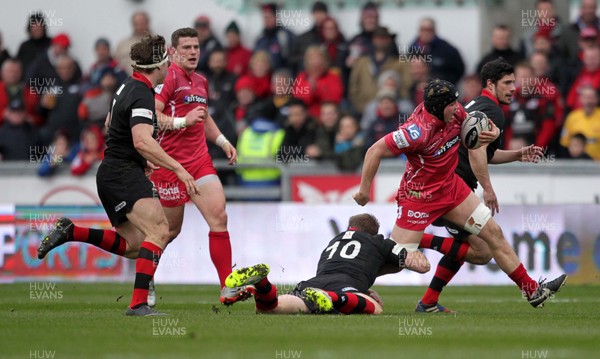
(148, 51)
(495, 70)
(364, 222)
(183, 32)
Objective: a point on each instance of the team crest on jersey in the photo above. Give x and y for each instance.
(414, 131)
(448, 145)
(194, 99)
(158, 88)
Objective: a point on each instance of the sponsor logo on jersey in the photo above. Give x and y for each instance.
(158, 88)
(120, 206)
(169, 193)
(417, 214)
(348, 235)
(194, 99)
(400, 139)
(346, 289)
(414, 131)
(448, 145)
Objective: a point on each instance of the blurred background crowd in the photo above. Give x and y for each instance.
(321, 95)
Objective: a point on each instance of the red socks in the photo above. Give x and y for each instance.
(219, 247)
(523, 280)
(145, 266)
(106, 239)
(265, 295)
(448, 246)
(351, 303)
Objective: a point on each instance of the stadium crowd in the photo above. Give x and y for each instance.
(319, 95)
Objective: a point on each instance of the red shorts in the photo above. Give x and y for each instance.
(171, 190)
(416, 216)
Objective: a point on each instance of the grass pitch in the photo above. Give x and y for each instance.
(74, 320)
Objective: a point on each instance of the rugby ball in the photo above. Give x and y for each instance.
(475, 123)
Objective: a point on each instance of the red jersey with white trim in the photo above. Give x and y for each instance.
(430, 146)
(182, 93)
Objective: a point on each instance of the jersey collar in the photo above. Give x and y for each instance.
(142, 78)
(182, 71)
(487, 93)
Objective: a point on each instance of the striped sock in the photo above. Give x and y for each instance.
(145, 266)
(265, 295)
(351, 303)
(448, 246)
(445, 271)
(106, 239)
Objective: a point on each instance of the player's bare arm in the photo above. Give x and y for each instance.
(479, 165)
(531, 153)
(151, 151)
(214, 135)
(373, 158)
(166, 122)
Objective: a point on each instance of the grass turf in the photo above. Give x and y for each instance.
(75, 320)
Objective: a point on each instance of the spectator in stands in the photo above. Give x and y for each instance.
(37, 43)
(104, 61)
(4, 55)
(501, 38)
(18, 138)
(362, 86)
(446, 62)
(586, 121)
(208, 42)
(536, 112)
(317, 83)
(589, 75)
(11, 88)
(322, 149)
(276, 107)
(576, 148)
(544, 23)
(61, 152)
(221, 83)
(238, 56)
(90, 152)
(349, 145)
(336, 48)
(387, 119)
(246, 101)
(470, 88)
(569, 43)
(42, 74)
(61, 102)
(275, 40)
(556, 71)
(260, 143)
(419, 72)
(312, 36)
(97, 101)
(140, 22)
(300, 129)
(259, 74)
(389, 80)
(362, 43)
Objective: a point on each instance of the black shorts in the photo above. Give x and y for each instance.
(121, 184)
(330, 282)
(455, 231)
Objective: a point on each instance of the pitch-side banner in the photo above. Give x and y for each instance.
(550, 240)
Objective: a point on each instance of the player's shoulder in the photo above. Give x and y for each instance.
(487, 106)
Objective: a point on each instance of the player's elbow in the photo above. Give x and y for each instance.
(141, 143)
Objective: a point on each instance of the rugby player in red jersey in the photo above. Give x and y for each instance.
(184, 127)
(431, 189)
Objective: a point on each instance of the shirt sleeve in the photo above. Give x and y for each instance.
(391, 252)
(401, 141)
(142, 111)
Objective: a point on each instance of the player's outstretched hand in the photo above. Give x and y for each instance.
(150, 167)
(230, 152)
(196, 115)
(417, 262)
(489, 136)
(373, 294)
(361, 198)
(187, 179)
(531, 153)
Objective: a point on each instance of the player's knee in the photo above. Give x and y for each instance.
(494, 232)
(162, 233)
(482, 257)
